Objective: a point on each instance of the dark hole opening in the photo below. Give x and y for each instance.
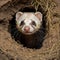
(28, 9)
(38, 37)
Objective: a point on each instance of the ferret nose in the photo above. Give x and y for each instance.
(26, 29)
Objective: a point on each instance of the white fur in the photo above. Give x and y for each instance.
(27, 18)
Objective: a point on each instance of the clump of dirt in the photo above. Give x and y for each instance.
(11, 50)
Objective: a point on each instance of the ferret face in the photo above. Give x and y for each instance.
(28, 23)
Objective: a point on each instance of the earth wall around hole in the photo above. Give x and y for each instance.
(10, 49)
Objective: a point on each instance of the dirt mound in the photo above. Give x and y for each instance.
(11, 50)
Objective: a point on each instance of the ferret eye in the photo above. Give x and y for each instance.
(33, 23)
(22, 23)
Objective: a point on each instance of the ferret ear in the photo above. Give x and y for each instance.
(38, 15)
(18, 14)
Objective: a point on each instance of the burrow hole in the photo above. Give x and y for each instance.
(18, 36)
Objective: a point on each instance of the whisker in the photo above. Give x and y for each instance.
(42, 29)
(15, 33)
(13, 29)
(41, 33)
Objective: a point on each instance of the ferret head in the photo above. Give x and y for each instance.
(28, 23)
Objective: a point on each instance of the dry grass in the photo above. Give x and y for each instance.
(51, 45)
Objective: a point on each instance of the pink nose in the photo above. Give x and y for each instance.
(26, 29)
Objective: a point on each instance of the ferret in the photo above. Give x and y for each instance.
(29, 25)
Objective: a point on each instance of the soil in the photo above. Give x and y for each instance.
(11, 50)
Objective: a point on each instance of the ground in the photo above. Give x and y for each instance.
(11, 50)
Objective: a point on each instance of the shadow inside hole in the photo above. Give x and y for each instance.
(31, 41)
(28, 9)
